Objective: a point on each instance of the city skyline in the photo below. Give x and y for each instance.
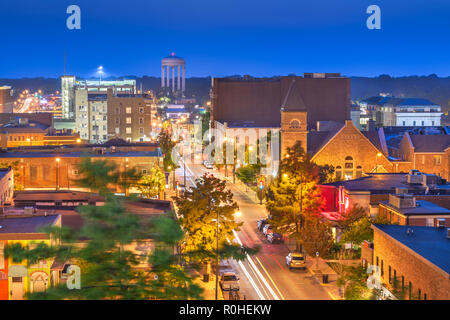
(222, 39)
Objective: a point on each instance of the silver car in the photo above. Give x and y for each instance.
(229, 282)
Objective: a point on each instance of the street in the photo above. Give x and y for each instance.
(265, 275)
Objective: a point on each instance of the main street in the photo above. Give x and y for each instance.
(265, 275)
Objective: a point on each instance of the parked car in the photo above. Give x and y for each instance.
(275, 238)
(229, 282)
(267, 229)
(207, 164)
(296, 260)
(261, 223)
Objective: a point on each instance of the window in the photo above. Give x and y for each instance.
(117, 130)
(430, 222)
(141, 120)
(117, 111)
(144, 171)
(414, 123)
(338, 173)
(423, 159)
(128, 130)
(141, 130)
(437, 160)
(382, 267)
(390, 275)
(128, 110)
(128, 120)
(404, 123)
(75, 172)
(104, 118)
(420, 294)
(117, 120)
(423, 123)
(141, 110)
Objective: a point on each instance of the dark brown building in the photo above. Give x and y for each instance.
(258, 101)
(129, 117)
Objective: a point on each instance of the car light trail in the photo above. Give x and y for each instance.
(257, 270)
(270, 278)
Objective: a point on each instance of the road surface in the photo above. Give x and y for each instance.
(265, 275)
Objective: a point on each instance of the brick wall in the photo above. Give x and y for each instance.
(422, 275)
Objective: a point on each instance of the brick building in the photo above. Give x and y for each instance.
(406, 210)
(415, 259)
(258, 101)
(56, 168)
(427, 153)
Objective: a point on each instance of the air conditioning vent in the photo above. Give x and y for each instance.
(448, 233)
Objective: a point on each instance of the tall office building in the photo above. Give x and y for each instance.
(68, 96)
(103, 116)
(6, 100)
(69, 86)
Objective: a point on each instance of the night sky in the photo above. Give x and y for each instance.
(220, 38)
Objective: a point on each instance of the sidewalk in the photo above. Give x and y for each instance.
(209, 288)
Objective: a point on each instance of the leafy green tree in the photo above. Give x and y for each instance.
(293, 194)
(152, 184)
(357, 226)
(97, 175)
(199, 208)
(316, 235)
(354, 281)
(246, 174)
(167, 144)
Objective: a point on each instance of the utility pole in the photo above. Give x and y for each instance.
(217, 254)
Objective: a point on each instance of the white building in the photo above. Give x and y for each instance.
(68, 96)
(91, 116)
(176, 66)
(409, 112)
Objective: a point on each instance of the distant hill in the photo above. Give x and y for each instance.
(428, 87)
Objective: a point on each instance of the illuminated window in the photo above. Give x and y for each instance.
(128, 120)
(348, 162)
(437, 160)
(128, 110)
(128, 130)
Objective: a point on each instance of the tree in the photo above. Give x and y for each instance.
(354, 281)
(293, 194)
(167, 143)
(107, 259)
(199, 209)
(246, 174)
(103, 176)
(17, 175)
(316, 236)
(152, 184)
(97, 175)
(357, 226)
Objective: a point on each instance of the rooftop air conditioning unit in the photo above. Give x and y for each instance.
(448, 233)
(440, 223)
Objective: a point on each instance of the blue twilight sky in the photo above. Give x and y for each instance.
(225, 37)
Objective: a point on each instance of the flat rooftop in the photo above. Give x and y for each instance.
(17, 224)
(422, 208)
(383, 183)
(428, 242)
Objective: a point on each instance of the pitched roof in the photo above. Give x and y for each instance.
(430, 143)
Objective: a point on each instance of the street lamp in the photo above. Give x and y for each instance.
(379, 154)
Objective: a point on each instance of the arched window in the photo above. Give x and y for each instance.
(338, 173)
(294, 124)
(348, 162)
(348, 174)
